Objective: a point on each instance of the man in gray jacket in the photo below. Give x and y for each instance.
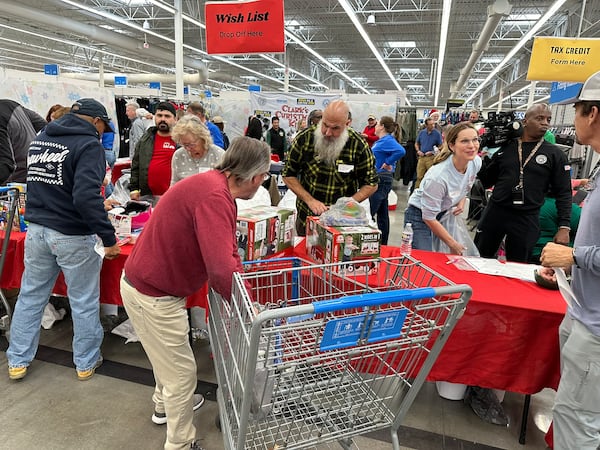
(576, 412)
(18, 127)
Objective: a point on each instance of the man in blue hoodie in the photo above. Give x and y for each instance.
(68, 228)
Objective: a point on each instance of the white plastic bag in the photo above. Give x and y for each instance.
(457, 227)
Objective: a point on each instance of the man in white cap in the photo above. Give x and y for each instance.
(576, 413)
(369, 131)
(65, 211)
(220, 123)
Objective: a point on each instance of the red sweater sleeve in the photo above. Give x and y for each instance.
(215, 223)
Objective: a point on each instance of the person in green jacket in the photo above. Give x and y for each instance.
(549, 226)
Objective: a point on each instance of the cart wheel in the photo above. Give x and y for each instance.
(218, 422)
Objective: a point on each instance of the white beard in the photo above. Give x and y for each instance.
(328, 150)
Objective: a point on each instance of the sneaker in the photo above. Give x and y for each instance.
(84, 375)
(161, 418)
(196, 445)
(17, 373)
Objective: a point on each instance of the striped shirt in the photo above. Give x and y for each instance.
(354, 168)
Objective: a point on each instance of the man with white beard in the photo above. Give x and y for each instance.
(328, 161)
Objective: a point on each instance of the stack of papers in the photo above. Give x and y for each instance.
(494, 267)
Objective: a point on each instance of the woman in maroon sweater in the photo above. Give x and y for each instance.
(189, 240)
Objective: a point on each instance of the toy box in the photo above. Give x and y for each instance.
(264, 231)
(331, 244)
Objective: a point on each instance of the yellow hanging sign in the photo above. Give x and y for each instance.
(564, 59)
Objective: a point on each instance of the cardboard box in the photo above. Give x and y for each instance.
(264, 231)
(330, 244)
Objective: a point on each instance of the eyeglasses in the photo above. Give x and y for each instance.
(190, 145)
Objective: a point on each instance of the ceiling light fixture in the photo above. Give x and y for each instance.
(402, 44)
(551, 11)
(371, 20)
(350, 12)
(146, 25)
(442, 51)
(298, 41)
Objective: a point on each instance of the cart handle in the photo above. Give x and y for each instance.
(8, 188)
(372, 299)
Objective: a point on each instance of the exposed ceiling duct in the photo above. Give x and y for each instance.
(188, 78)
(498, 10)
(97, 34)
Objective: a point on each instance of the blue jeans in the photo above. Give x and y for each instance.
(47, 252)
(379, 205)
(422, 236)
(111, 157)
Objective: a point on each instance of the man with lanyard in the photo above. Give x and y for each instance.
(522, 172)
(426, 144)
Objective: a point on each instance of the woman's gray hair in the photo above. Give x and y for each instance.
(192, 125)
(245, 158)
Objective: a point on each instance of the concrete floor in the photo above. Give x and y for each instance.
(50, 409)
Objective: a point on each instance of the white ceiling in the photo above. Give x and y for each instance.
(78, 34)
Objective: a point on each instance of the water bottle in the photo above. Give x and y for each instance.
(407, 237)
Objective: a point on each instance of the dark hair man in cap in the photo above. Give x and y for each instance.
(18, 127)
(576, 412)
(197, 109)
(67, 221)
(151, 162)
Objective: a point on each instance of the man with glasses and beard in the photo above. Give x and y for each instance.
(327, 162)
(151, 162)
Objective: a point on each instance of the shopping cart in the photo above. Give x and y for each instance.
(306, 355)
(9, 201)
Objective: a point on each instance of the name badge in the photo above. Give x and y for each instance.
(345, 168)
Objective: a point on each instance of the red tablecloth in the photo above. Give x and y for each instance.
(508, 336)
(109, 276)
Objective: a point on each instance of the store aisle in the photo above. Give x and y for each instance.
(51, 410)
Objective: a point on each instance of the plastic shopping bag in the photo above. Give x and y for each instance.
(457, 227)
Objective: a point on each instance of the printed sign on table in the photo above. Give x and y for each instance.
(238, 27)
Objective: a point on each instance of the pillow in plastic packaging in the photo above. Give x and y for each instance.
(345, 212)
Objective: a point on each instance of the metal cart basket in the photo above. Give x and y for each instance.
(308, 354)
(10, 199)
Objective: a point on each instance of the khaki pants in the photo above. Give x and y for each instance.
(162, 325)
(423, 165)
(576, 410)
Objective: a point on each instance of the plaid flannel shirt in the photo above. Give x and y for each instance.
(326, 183)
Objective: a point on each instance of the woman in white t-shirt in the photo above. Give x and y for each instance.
(445, 188)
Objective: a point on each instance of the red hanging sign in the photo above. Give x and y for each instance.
(238, 27)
